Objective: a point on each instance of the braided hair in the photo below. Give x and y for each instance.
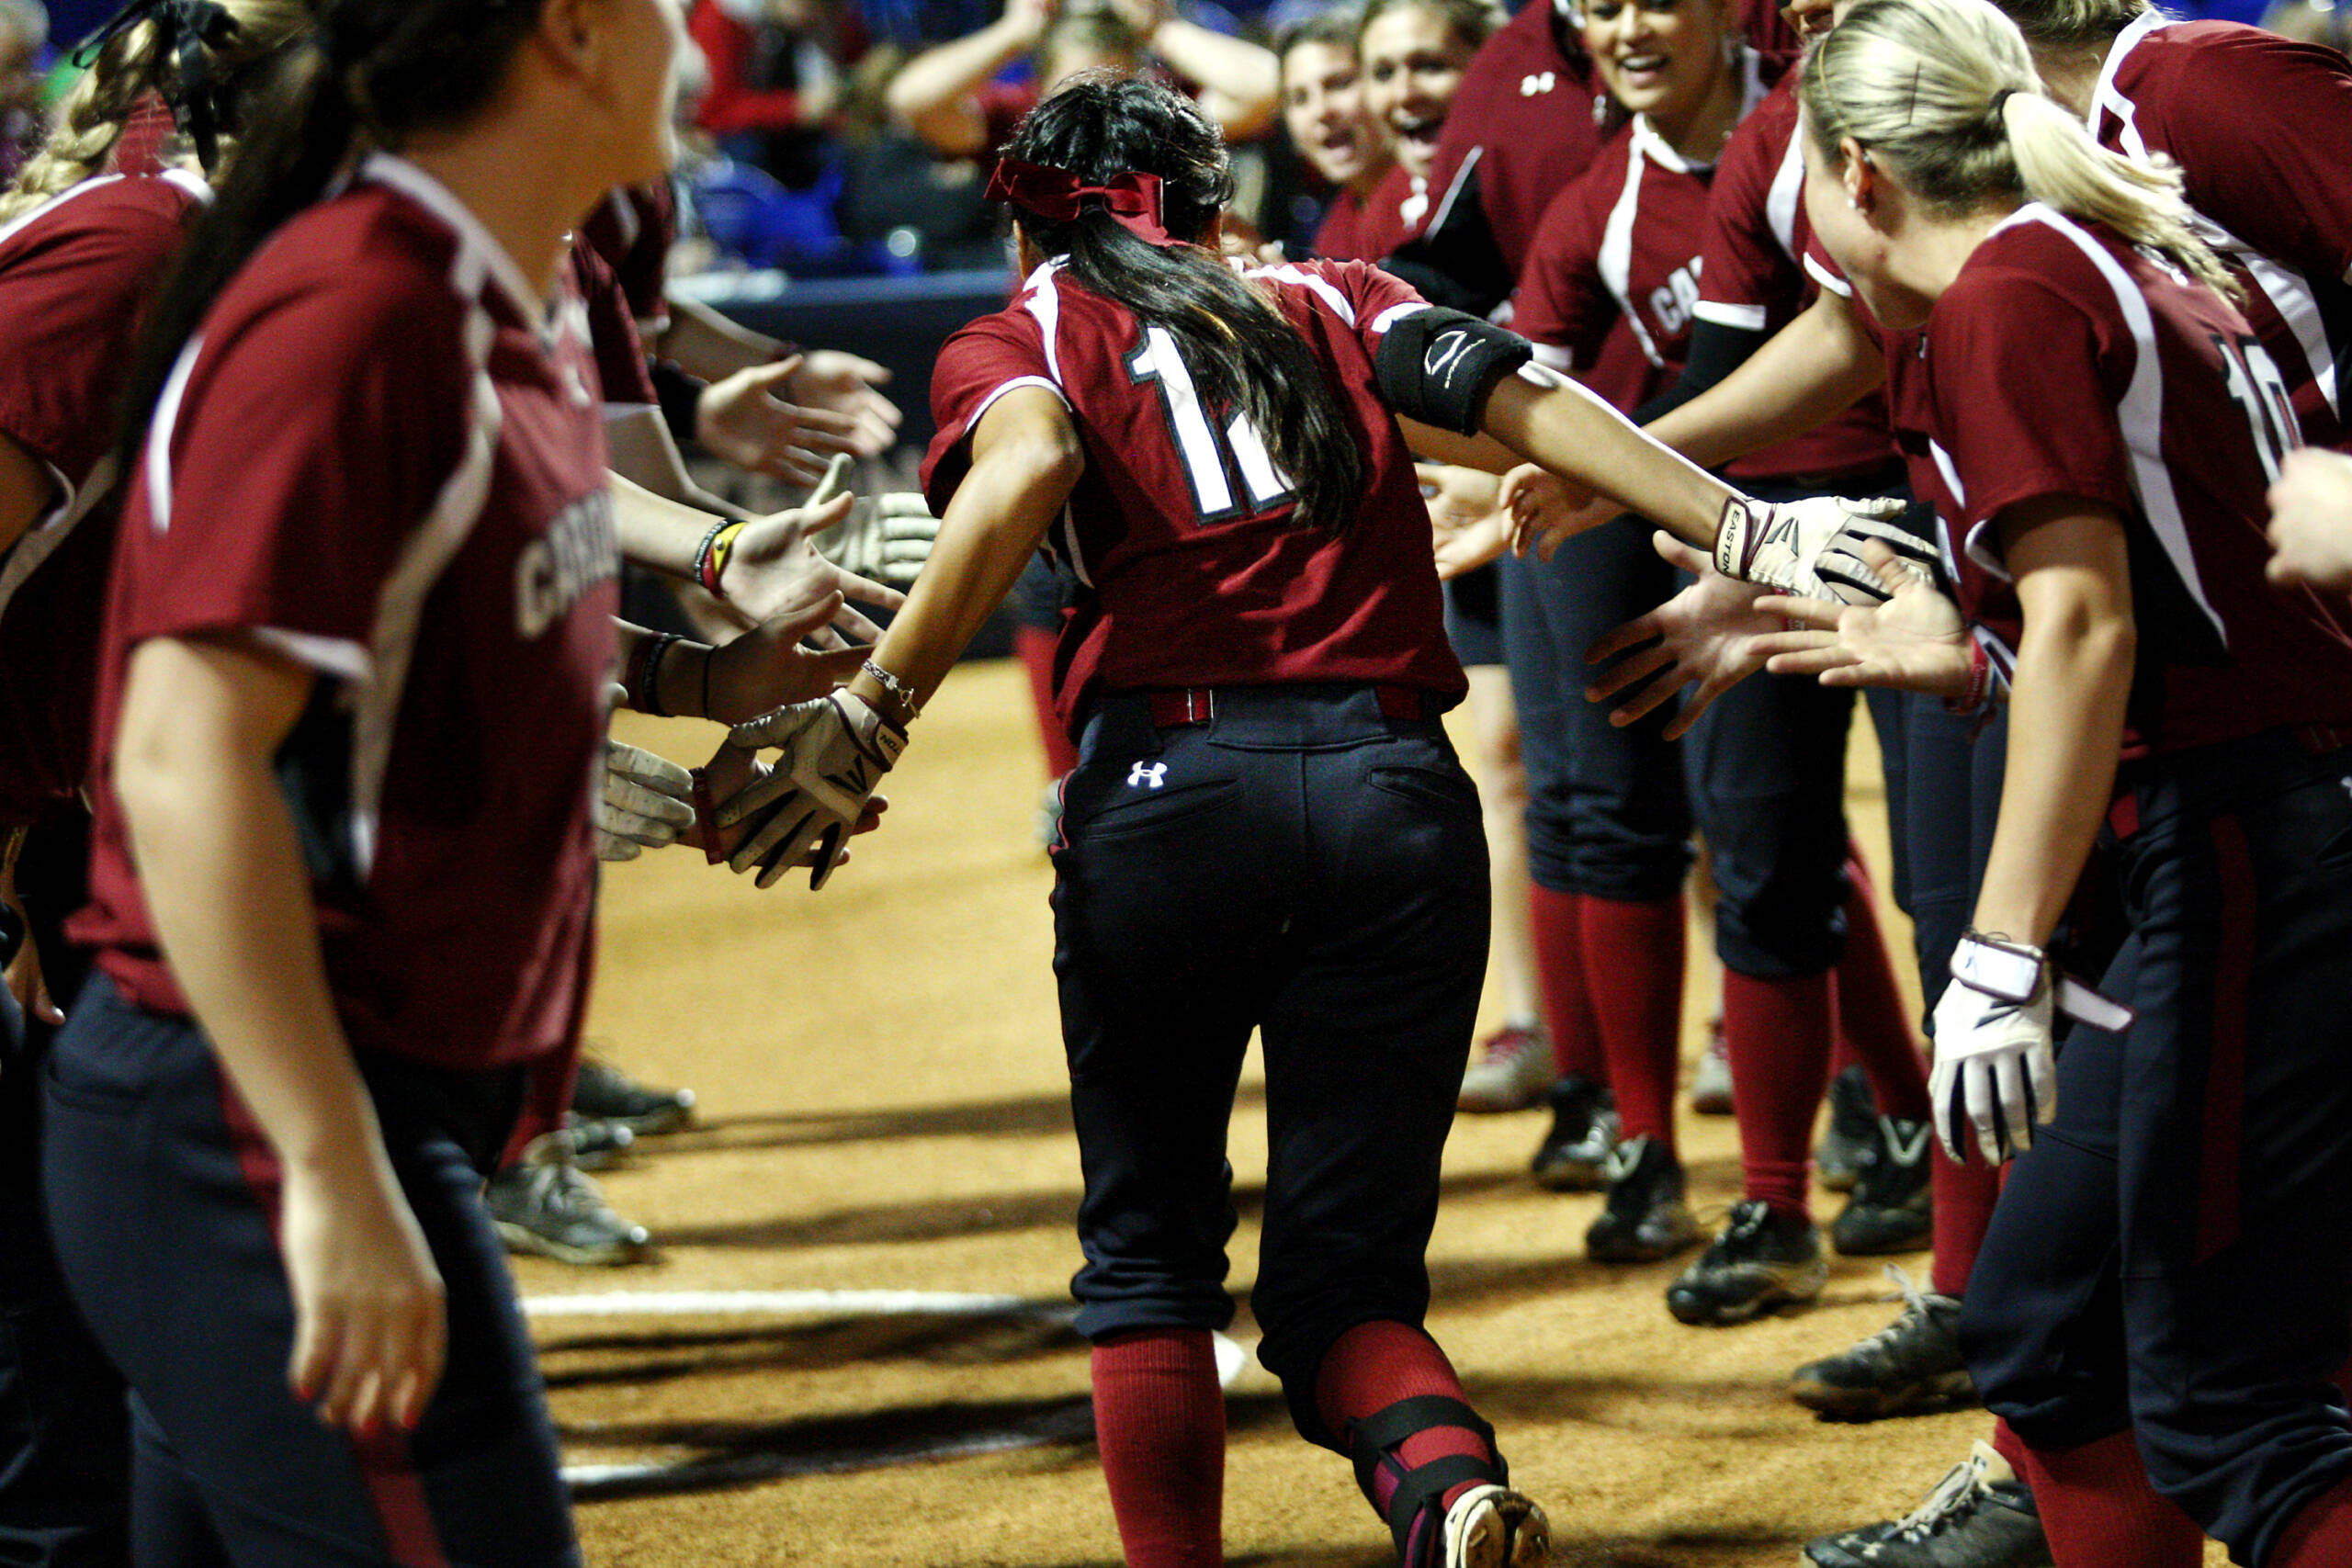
(204, 61)
(1242, 352)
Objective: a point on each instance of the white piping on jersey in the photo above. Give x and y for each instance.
(1615, 260)
(2289, 293)
(159, 429)
(192, 184)
(1838, 285)
(390, 169)
(336, 656)
(2002, 658)
(1461, 178)
(1552, 357)
(1395, 313)
(1321, 289)
(988, 402)
(1041, 300)
(1786, 190)
(1747, 318)
(2140, 413)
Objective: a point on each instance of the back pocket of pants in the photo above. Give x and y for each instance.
(1427, 786)
(1150, 810)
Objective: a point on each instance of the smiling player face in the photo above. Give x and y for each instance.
(1413, 66)
(1659, 58)
(1324, 109)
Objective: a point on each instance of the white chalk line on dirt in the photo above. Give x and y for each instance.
(1069, 1423)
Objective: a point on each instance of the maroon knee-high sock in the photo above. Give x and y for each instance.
(2320, 1534)
(1159, 1422)
(1034, 646)
(2098, 1509)
(1632, 961)
(1777, 1034)
(1372, 1366)
(1559, 976)
(1871, 1019)
(1961, 1197)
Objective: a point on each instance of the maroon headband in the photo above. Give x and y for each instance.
(1054, 196)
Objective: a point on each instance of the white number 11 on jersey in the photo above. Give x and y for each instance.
(1212, 458)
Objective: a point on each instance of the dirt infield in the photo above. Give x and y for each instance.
(882, 1110)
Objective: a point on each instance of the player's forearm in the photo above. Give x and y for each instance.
(705, 341)
(661, 534)
(937, 79)
(1240, 82)
(2066, 710)
(1563, 427)
(648, 478)
(223, 879)
(1000, 511)
(1806, 373)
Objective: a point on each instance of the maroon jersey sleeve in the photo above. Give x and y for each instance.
(1563, 306)
(2258, 125)
(367, 433)
(2026, 377)
(73, 277)
(1749, 266)
(980, 363)
(612, 334)
(632, 229)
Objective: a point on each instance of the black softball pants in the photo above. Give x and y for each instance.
(2171, 1255)
(1308, 867)
(162, 1197)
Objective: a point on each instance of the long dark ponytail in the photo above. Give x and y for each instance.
(370, 72)
(1241, 351)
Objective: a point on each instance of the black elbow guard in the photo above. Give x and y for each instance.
(1438, 365)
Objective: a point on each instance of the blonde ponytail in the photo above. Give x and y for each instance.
(91, 120)
(1944, 91)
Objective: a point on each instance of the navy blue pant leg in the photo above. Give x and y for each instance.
(2202, 1291)
(1606, 814)
(163, 1219)
(1304, 867)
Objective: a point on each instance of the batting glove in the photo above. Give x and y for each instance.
(1996, 1071)
(1812, 547)
(884, 537)
(646, 802)
(836, 749)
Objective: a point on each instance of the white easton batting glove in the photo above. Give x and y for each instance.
(884, 537)
(646, 802)
(1812, 547)
(1994, 1069)
(836, 749)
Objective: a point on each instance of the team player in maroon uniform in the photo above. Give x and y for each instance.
(1413, 54)
(80, 253)
(357, 643)
(2162, 1294)
(1764, 776)
(1266, 829)
(1324, 110)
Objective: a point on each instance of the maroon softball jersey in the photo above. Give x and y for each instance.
(1367, 228)
(1191, 571)
(75, 274)
(633, 229)
(2061, 362)
(610, 328)
(1752, 276)
(2258, 125)
(1531, 115)
(381, 459)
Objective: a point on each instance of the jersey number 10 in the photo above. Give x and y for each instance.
(2260, 393)
(1214, 459)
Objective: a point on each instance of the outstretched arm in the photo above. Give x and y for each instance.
(1025, 461)
(931, 94)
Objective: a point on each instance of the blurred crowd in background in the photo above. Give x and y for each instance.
(843, 138)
